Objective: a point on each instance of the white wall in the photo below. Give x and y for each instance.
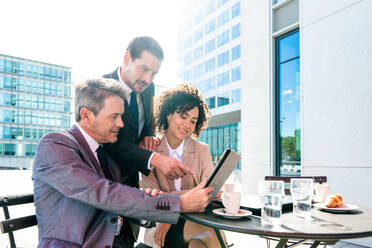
(256, 93)
(336, 96)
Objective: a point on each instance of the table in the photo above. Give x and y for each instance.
(322, 227)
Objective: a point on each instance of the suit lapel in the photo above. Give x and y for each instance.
(74, 131)
(163, 149)
(188, 158)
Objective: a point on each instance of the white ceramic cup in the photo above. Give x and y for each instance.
(229, 187)
(231, 201)
(321, 192)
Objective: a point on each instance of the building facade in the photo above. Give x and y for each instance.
(306, 90)
(209, 49)
(35, 98)
(305, 87)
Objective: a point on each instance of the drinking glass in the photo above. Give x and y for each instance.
(271, 195)
(302, 191)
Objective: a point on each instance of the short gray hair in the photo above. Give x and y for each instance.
(92, 93)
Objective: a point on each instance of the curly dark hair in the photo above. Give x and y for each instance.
(181, 99)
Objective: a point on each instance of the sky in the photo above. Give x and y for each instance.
(88, 36)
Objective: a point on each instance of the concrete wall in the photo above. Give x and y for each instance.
(336, 96)
(256, 93)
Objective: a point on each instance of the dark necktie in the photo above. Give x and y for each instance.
(134, 109)
(103, 162)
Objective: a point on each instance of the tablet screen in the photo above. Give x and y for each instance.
(225, 166)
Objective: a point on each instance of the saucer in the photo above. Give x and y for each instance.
(342, 209)
(222, 212)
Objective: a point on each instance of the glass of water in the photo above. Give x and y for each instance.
(302, 191)
(271, 195)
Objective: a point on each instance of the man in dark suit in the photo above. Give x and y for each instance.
(134, 149)
(79, 198)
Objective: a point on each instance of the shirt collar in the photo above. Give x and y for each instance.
(126, 87)
(93, 144)
(178, 150)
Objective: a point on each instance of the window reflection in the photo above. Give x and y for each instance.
(288, 94)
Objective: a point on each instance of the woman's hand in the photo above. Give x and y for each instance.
(160, 233)
(218, 196)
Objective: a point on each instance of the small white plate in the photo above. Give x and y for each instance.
(342, 209)
(222, 212)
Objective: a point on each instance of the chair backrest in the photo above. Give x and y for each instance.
(287, 180)
(9, 225)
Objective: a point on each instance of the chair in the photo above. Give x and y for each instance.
(9, 225)
(287, 180)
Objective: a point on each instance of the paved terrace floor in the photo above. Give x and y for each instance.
(18, 182)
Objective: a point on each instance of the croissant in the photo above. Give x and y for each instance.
(334, 201)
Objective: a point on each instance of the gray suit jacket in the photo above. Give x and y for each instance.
(76, 206)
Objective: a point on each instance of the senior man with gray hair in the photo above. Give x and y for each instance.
(79, 199)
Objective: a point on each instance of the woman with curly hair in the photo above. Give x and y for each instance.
(180, 116)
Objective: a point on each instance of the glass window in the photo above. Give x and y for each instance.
(235, 96)
(67, 91)
(15, 67)
(7, 83)
(66, 121)
(7, 134)
(210, 26)
(235, 10)
(27, 135)
(223, 38)
(221, 2)
(235, 52)
(30, 149)
(187, 75)
(235, 74)
(1, 81)
(21, 70)
(8, 66)
(223, 18)
(2, 65)
(210, 45)
(210, 84)
(220, 137)
(35, 71)
(223, 59)
(198, 70)
(235, 31)
(198, 52)
(223, 78)
(47, 72)
(223, 99)
(198, 34)
(211, 102)
(10, 149)
(288, 104)
(210, 65)
(187, 59)
(210, 8)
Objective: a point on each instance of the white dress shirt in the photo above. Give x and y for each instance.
(92, 143)
(177, 154)
(141, 114)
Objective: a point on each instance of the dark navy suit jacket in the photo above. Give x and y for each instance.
(126, 152)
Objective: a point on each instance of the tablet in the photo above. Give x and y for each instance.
(225, 166)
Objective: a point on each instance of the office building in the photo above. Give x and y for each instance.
(35, 99)
(209, 49)
(305, 86)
